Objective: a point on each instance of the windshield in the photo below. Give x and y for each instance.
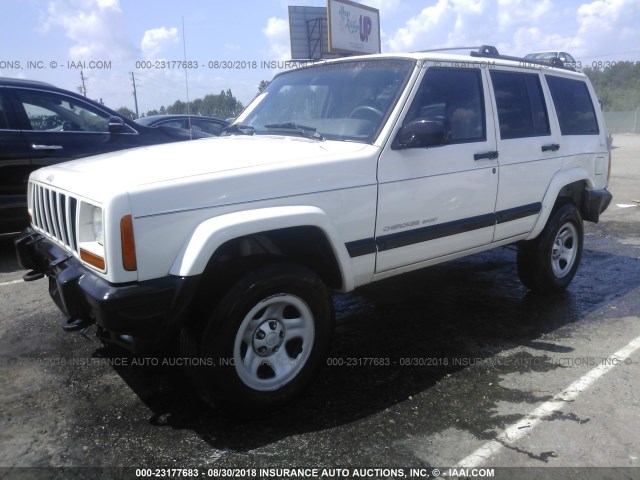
(339, 101)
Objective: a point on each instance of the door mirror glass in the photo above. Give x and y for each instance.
(116, 125)
(422, 133)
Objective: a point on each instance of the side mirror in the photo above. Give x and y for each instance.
(423, 132)
(116, 125)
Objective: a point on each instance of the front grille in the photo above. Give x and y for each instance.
(54, 214)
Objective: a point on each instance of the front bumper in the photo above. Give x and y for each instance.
(142, 315)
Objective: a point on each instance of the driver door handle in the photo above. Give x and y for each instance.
(554, 147)
(486, 155)
(46, 147)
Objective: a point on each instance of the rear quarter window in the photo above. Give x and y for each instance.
(574, 107)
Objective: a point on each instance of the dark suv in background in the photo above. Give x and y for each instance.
(198, 123)
(41, 125)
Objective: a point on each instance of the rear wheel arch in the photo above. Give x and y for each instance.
(567, 186)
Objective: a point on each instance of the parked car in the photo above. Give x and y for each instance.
(41, 125)
(343, 173)
(210, 125)
(566, 59)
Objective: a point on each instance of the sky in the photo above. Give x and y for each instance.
(108, 40)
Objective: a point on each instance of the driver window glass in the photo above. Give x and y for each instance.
(49, 112)
(456, 95)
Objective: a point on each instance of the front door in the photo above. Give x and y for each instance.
(58, 128)
(440, 200)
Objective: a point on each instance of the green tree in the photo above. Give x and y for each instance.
(127, 112)
(223, 105)
(263, 84)
(617, 85)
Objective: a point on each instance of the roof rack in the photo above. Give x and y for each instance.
(445, 49)
(489, 51)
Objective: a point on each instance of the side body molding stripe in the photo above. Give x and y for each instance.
(367, 246)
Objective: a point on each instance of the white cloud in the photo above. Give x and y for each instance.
(383, 5)
(95, 27)
(425, 26)
(606, 27)
(597, 28)
(105, 4)
(277, 33)
(449, 23)
(154, 40)
(527, 12)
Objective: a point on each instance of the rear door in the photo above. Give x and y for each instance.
(440, 200)
(14, 169)
(530, 149)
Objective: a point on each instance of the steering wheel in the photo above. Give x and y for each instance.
(364, 111)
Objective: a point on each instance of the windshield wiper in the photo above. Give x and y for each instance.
(238, 128)
(308, 132)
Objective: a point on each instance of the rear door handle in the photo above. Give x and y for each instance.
(46, 147)
(486, 155)
(554, 147)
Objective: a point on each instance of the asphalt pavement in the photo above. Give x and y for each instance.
(456, 368)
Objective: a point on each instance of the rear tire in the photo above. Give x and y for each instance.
(548, 263)
(263, 342)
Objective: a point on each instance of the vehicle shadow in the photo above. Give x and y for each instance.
(8, 260)
(466, 309)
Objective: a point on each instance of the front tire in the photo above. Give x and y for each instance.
(548, 263)
(264, 341)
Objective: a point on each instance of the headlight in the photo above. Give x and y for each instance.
(98, 228)
(91, 235)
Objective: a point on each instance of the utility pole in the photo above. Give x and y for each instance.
(83, 88)
(135, 95)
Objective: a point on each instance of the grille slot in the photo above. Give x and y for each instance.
(54, 214)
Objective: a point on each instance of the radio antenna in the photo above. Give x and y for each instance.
(186, 76)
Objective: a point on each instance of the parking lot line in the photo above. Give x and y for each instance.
(11, 282)
(518, 430)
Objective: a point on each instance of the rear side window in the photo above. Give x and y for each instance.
(208, 127)
(573, 106)
(456, 95)
(521, 108)
(4, 124)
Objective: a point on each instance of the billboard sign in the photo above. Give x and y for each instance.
(308, 32)
(353, 28)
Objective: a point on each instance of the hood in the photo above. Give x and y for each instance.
(98, 176)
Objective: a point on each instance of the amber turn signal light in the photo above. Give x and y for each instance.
(128, 244)
(92, 259)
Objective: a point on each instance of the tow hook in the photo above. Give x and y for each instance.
(73, 325)
(32, 275)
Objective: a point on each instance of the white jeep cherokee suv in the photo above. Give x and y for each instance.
(338, 174)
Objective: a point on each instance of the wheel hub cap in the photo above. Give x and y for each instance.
(564, 250)
(268, 337)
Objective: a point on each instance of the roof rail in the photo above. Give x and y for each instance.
(444, 49)
(489, 51)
